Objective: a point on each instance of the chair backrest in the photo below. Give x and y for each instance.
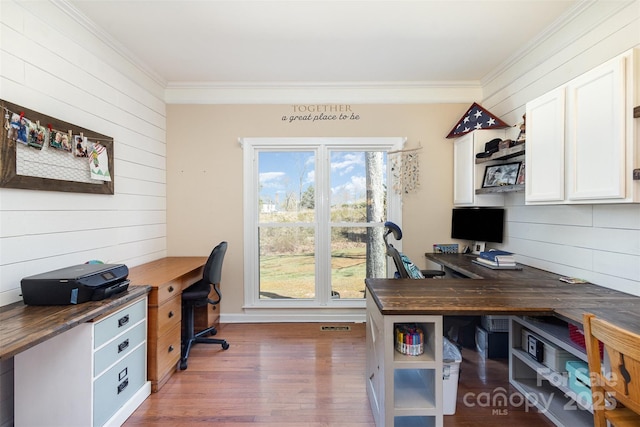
(213, 268)
(397, 260)
(391, 228)
(622, 380)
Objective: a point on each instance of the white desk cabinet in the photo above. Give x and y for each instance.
(403, 390)
(467, 177)
(94, 374)
(581, 138)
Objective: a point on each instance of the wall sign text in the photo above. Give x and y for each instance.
(320, 113)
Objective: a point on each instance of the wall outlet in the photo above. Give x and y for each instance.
(636, 174)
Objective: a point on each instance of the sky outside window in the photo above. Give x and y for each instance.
(287, 175)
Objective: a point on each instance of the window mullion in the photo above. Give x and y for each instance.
(323, 252)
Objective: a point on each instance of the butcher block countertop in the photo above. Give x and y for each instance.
(24, 326)
(530, 291)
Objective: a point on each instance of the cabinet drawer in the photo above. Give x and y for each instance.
(119, 347)
(117, 385)
(119, 322)
(168, 290)
(168, 351)
(169, 315)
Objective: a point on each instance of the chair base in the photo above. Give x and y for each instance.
(190, 338)
(198, 339)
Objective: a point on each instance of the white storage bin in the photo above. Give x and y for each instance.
(450, 374)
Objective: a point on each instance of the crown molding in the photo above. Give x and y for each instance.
(320, 92)
(109, 41)
(569, 16)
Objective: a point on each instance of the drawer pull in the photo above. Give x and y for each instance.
(170, 314)
(171, 289)
(123, 321)
(170, 348)
(123, 385)
(123, 345)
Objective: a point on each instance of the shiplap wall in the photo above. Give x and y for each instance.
(51, 63)
(600, 243)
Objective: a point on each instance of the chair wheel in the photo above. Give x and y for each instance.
(225, 345)
(183, 365)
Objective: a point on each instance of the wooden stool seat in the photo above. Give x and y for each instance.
(622, 417)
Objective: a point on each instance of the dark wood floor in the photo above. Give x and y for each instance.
(276, 375)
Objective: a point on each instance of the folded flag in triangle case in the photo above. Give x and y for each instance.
(476, 117)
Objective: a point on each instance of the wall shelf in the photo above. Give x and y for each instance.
(504, 154)
(500, 189)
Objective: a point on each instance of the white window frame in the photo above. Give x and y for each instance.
(250, 202)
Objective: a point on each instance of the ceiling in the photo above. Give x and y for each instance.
(321, 41)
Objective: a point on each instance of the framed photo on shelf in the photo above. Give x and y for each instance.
(499, 175)
(520, 179)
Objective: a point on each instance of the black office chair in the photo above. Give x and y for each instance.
(401, 269)
(197, 295)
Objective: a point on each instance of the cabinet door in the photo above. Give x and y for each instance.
(467, 175)
(544, 157)
(596, 133)
(463, 170)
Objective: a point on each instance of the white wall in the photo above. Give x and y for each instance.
(52, 64)
(600, 243)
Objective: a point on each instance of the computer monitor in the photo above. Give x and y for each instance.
(479, 225)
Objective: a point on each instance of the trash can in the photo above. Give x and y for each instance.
(451, 359)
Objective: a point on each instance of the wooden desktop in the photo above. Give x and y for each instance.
(25, 326)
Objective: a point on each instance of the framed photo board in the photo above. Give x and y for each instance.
(499, 175)
(39, 152)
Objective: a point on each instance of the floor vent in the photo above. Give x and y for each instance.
(335, 328)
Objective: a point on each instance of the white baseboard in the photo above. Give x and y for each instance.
(271, 317)
(129, 408)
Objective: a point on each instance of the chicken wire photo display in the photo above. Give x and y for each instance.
(40, 152)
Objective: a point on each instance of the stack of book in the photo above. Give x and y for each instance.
(497, 259)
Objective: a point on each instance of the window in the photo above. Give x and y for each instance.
(314, 215)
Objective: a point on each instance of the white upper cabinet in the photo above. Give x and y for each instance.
(544, 158)
(596, 133)
(581, 139)
(467, 177)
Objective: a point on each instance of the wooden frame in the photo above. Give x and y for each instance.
(619, 384)
(499, 175)
(9, 178)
